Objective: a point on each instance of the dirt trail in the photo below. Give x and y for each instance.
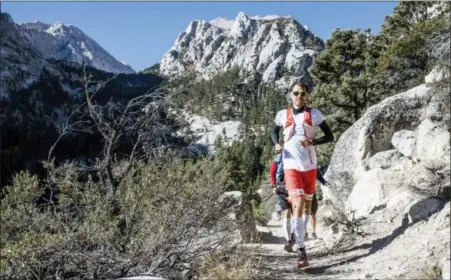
(324, 264)
(387, 250)
(390, 248)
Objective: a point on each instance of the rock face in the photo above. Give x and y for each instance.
(277, 49)
(424, 209)
(401, 144)
(446, 274)
(404, 141)
(209, 132)
(372, 134)
(437, 74)
(392, 172)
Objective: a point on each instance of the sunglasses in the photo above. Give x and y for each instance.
(301, 93)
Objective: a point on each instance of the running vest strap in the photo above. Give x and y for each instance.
(290, 119)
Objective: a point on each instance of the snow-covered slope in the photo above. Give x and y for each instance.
(67, 42)
(278, 49)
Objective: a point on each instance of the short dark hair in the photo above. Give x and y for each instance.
(302, 85)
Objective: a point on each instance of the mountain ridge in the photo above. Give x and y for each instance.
(69, 43)
(278, 49)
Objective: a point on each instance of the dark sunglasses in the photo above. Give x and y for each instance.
(302, 93)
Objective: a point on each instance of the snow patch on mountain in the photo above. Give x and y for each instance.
(66, 42)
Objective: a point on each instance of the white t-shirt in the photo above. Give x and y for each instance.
(294, 155)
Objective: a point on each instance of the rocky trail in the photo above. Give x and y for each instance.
(378, 252)
(383, 249)
(281, 264)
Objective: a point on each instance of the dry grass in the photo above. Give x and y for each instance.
(242, 263)
(433, 273)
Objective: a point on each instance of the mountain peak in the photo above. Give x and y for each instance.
(276, 47)
(58, 23)
(242, 16)
(227, 24)
(66, 42)
(241, 26)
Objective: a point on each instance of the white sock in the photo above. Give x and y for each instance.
(306, 220)
(286, 225)
(298, 225)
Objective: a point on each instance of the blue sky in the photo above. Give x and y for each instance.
(139, 33)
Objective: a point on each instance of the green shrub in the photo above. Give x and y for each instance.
(259, 214)
(162, 209)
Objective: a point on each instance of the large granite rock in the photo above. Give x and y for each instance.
(397, 147)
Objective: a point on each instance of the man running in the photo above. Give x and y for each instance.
(299, 157)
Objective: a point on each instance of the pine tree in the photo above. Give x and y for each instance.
(404, 39)
(343, 77)
(218, 142)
